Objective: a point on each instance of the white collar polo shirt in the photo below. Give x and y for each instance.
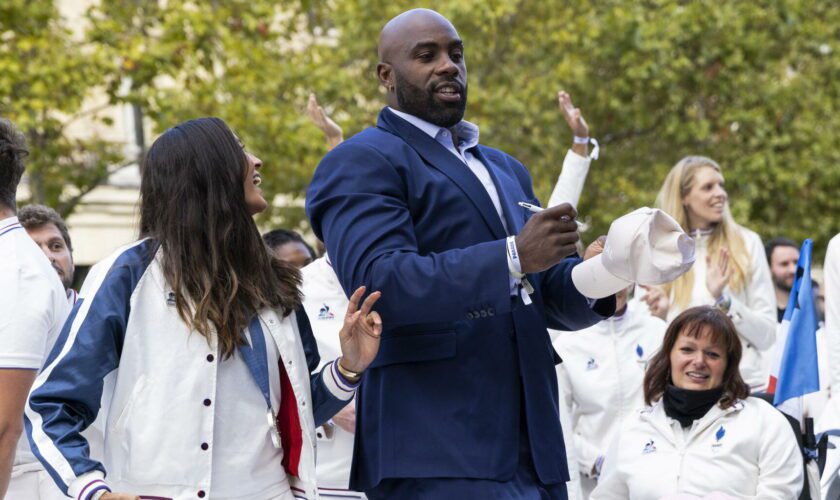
(33, 307)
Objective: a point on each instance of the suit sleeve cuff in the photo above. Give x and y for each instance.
(335, 382)
(88, 486)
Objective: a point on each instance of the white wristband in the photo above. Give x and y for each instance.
(514, 266)
(581, 140)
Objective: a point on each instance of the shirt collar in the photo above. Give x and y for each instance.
(8, 222)
(467, 131)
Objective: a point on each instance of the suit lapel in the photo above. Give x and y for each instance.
(509, 206)
(438, 157)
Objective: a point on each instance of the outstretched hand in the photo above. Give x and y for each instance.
(360, 334)
(572, 115)
(657, 301)
(319, 117)
(574, 118)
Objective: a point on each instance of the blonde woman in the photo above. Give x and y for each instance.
(730, 272)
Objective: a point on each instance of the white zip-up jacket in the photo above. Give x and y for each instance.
(161, 413)
(326, 305)
(753, 308)
(601, 376)
(747, 451)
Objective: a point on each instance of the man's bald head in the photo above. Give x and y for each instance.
(421, 64)
(406, 28)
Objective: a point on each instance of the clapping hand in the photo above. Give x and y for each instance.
(319, 117)
(718, 274)
(360, 334)
(656, 300)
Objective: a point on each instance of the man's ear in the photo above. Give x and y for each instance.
(385, 73)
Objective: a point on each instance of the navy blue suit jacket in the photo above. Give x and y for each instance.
(459, 356)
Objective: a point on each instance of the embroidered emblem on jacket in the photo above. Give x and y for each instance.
(718, 436)
(591, 364)
(649, 447)
(170, 299)
(639, 351)
(325, 313)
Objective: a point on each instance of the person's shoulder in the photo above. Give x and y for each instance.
(314, 273)
(751, 238)
(755, 408)
(124, 266)
(834, 244)
(369, 145)
(500, 156)
(580, 340)
(29, 263)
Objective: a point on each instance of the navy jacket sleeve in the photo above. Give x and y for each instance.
(325, 403)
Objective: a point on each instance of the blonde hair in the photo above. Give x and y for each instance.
(726, 234)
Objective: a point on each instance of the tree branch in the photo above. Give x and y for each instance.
(66, 207)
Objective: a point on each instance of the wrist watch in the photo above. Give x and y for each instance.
(724, 302)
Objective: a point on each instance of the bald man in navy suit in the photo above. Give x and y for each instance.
(461, 401)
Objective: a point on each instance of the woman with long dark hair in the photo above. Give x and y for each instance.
(198, 334)
(699, 433)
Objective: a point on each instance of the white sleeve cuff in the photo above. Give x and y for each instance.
(88, 486)
(339, 386)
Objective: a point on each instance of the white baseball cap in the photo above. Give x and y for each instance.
(646, 246)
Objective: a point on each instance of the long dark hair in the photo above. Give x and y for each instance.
(192, 202)
(694, 322)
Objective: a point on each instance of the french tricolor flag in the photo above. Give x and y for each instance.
(794, 372)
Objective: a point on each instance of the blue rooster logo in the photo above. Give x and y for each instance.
(720, 433)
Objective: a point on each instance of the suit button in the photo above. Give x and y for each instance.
(201, 494)
(204, 446)
(484, 313)
(206, 402)
(469, 315)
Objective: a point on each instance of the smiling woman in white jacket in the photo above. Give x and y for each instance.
(699, 433)
(730, 270)
(212, 387)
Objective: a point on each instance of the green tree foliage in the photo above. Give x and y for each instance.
(45, 75)
(754, 85)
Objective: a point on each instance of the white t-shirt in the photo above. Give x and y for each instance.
(33, 307)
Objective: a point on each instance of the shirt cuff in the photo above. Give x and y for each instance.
(337, 384)
(88, 486)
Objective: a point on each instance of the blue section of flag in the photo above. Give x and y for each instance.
(798, 372)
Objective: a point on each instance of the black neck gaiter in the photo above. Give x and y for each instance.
(686, 406)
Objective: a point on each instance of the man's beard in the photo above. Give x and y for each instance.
(422, 104)
(782, 283)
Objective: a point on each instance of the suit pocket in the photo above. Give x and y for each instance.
(415, 347)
